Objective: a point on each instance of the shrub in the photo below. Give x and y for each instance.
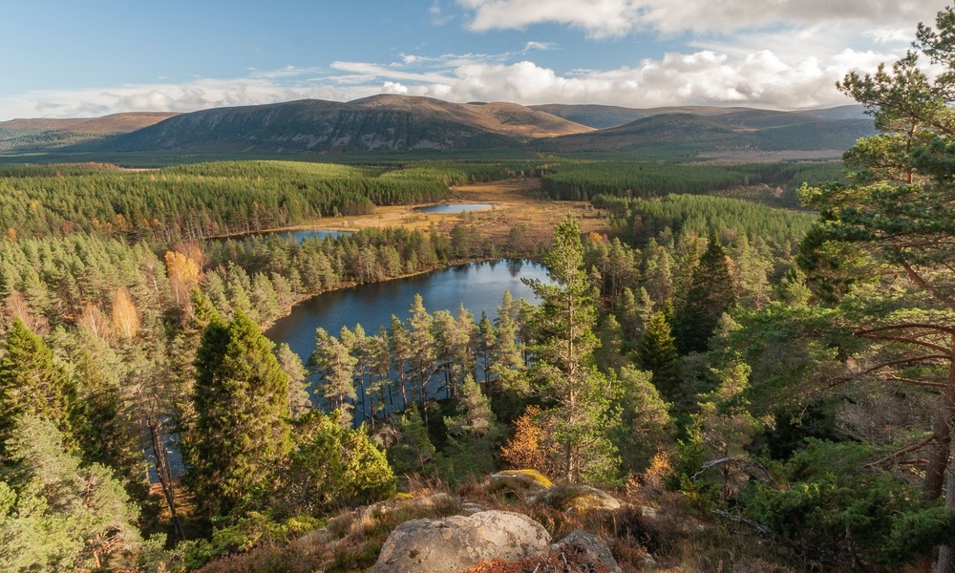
(331, 467)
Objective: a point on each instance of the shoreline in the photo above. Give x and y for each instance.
(453, 263)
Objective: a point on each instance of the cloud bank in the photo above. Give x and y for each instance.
(785, 54)
(603, 18)
(704, 77)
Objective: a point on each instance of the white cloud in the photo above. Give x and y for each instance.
(712, 75)
(438, 15)
(543, 46)
(363, 69)
(604, 18)
(393, 88)
(760, 78)
(184, 97)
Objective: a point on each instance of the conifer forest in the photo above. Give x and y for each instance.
(763, 353)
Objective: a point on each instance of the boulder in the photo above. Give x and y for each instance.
(590, 548)
(519, 483)
(532, 479)
(453, 544)
(572, 498)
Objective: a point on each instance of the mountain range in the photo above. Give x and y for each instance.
(394, 123)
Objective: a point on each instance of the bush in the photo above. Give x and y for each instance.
(839, 511)
(332, 466)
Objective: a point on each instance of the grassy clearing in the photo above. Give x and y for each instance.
(516, 203)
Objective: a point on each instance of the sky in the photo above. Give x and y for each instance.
(62, 58)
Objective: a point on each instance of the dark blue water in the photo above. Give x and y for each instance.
(478, 286)
(298, 236)
(454, 208)
(301, 235)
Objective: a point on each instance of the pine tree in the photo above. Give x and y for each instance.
(423, 357)
(413, 452)
(710, 294)
(564, 345)
(657, 273)
(400, 349)
(883, 244)
(472, 432)
(380, 391)
(644, 423)
(299, 401)
(242, 405)
(331, 466)
(484, 346)
(32, 384)
(656, 352)
(55, 513)
(335, 365)
(510, 385)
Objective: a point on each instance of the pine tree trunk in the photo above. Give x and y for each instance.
(938, 458)
(946, 554)
(165, 478)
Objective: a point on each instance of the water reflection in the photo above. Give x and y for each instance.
(478, 286)
(455, 208)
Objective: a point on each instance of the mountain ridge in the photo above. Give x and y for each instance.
(400, 123)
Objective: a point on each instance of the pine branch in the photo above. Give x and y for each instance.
(900, 452)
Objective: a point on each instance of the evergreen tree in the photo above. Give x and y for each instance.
(380, 391)
(472, 433)
(883, 245)
(413, 451)
(335, 365)
(423, 357)
(656, 352)
(722, 430)
(509, 355)
(564, 345)
(657, 273)
(331, 466)
(710, 294)
(107, 426)
(609, 354)
(643, 422)
(484, 346)
(242, 405)
(55, 513)
(400, 350)
(510, 388)
(32, 384)
(299, 401)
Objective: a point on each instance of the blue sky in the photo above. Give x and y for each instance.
(72, 59)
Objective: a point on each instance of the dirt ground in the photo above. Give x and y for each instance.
(513, 201)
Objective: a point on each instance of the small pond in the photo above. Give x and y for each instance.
(303, 234)
(446, 208)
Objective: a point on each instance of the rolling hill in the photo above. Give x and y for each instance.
(379, 123)
(26, 134)
(735, 132)
(606, 116)
(394, 123)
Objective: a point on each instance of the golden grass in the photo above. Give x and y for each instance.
(515, 201)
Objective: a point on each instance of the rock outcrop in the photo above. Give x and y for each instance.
(591, 547)
(576, 498)
(453, 544)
